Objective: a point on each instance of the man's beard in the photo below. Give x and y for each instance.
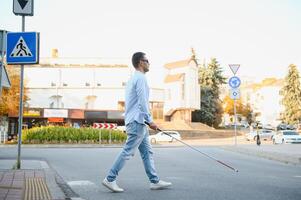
(146, 69)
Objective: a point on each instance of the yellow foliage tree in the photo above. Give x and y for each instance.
(10, 98)
(244, 110)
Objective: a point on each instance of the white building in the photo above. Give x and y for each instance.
(265, 99)
(182, 90)
(65, 90)
(76, 87)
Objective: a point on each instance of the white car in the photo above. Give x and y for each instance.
(287, 136)
(264, 134)
(121, 128)
(161, 137)
(268, 127)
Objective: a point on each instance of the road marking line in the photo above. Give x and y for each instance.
(80, 183)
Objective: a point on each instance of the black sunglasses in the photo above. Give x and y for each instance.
(144, 60)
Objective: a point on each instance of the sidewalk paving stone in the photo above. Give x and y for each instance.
(35, 182)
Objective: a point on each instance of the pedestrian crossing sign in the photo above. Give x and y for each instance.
(22, 48)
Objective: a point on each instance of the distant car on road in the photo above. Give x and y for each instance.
(298, 128)
(161, 137)
(121, 128)
(268, 126)
(245, 124)
(287, 136)
(257, 125)
(283, 126)
(264, 134)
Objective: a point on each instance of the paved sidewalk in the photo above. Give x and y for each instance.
(34, 181)
(23, 184)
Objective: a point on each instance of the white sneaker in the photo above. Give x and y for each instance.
(112, 185)
(160, 185)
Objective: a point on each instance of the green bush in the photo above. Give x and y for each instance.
(57, 134)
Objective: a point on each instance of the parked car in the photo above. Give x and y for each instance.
(287, 136)
(264, 134)
(268, 126)
(121, 128)
(245, 124)
(283, 126)
(298, 128)
(161, 137)
(257, 125)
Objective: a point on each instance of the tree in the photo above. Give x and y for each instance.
(210, 79)
(9, 101)
(291, 93)
(205, 114)
(244, 110)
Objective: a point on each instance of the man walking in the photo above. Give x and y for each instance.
(136, 114)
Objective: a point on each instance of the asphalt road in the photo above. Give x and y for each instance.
(193, 175)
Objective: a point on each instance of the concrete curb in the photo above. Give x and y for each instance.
(281, 157)
(82, 146)
(57, 185)
(62, 145)
(55, 191)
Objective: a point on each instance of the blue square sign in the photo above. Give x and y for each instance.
(22, 48)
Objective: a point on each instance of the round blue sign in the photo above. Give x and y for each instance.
(234, 82)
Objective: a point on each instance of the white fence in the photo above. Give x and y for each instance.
(3, 129)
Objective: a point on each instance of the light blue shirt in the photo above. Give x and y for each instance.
(137, 100)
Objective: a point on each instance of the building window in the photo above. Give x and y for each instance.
(98, 84)
(157, 110)
(65, 84)
(53, 84)
(56, 101)
(87, 84)
(90, 101)
(123, 83)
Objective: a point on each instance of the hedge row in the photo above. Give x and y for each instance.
(57, 134)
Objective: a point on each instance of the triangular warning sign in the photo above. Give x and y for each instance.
(23, 3)
(234, 67)
(21, 49)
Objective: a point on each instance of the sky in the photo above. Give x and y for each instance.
(263, 36)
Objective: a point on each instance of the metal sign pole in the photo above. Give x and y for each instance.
(20, 107)
(234, 83)
(2, 60)
(235, 122)
(2, 65)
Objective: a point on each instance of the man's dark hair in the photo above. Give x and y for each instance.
(136, 58)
